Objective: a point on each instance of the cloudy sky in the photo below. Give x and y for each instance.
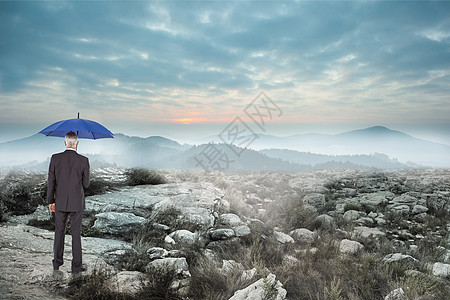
(184, 69)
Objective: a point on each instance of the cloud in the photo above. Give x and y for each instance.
(333, 60)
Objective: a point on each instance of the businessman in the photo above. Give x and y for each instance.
(68, 176)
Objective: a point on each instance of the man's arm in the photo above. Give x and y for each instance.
(86, 181)
(51, 185)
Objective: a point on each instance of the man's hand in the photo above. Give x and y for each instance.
(51, 207)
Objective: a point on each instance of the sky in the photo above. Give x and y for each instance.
(187, 69)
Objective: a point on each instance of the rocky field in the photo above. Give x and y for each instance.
(194, 235)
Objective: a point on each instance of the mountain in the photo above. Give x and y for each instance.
(123, 150)
(377, 139)
(374, 147)
(322, 161)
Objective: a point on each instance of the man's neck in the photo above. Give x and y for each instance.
(70, 148)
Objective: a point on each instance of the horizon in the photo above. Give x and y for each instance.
(210, 138)
(187, 70)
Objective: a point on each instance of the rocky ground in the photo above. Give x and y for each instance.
(255, 232)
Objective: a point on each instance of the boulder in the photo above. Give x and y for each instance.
(366, 232)
(372, 215)
(404, 199)
(401, 209)
(365, 221)
(242, 230)
(350, 247)
(375, 201)
(283, 238)
(183, 236)
(325, 221)
(441, 270)
(157, 252)
(397, 294)
(194, 203)
(410, 261)
(230, 220)
(303, 235)
(221, 234)
(128, 282)
(169, 240)
(177, 265)
(380, 221)
(352, 215)
(259, 290)
(418, 209)
(117, 223)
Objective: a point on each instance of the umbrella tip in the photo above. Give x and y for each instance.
(78, 115)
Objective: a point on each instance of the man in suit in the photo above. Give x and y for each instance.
(68, 176)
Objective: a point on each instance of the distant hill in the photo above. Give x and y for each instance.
(374, 147)
(376, 160)
(377, 139)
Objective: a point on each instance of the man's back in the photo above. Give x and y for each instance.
(68, 175)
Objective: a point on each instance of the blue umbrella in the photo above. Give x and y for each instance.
(85, 129)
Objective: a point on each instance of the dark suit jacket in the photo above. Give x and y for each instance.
(68, 174)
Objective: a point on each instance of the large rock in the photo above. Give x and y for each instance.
(441, 270)
(408, 260)
(221, 234)
(350, 247)
(242, 230)
(230, 220)
(183, 236)
(375, 201)
(157, 252)
(177, 265)
(283, 238)
(418, 209)
(128, 282)
(366, 232)
(352, 215)
(325, 221)
(117, 223)
(404, 199)
(259, 290)
(397, 294)
(303, 235)
(193, 203)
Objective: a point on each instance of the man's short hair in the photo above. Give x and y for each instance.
(71, 139)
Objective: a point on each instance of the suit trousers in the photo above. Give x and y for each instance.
(61, 218)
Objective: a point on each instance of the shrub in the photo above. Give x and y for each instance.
(98, 186)
(48, 224)
(21, 194)
(143, 177)
(92, 287)
(208, 282)
(159, 285)
(418, 284)
(291, 214)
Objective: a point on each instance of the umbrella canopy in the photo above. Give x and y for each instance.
(86, 129)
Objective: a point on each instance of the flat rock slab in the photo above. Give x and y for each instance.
(26, 255)
(144, 198)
